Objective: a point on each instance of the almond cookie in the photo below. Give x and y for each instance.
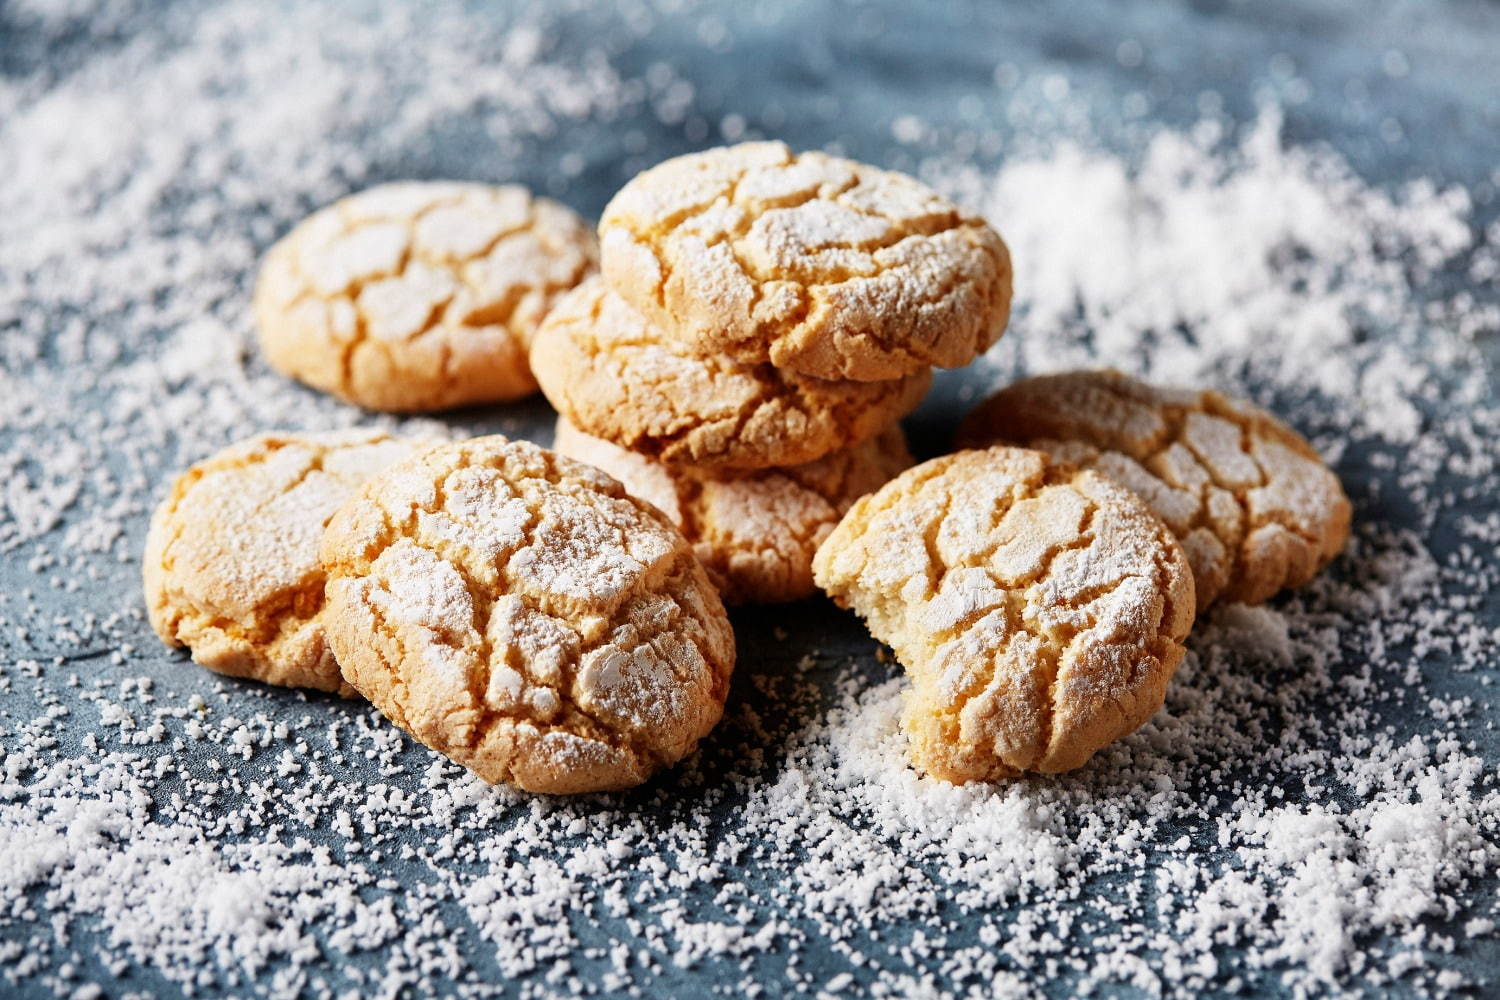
(817, 264)
(1255, 507)
(419, 295)
(231, 563)
(521, 613)
(615, 377)
(754, 532)
(1039, 609)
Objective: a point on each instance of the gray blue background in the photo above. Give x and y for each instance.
(819, 74)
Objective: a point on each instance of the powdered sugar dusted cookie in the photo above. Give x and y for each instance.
(231, 563)
(1039, 610)
(614, 376)
(419, 295)
(519, 612)
(1255, 507)
(754, 532)
(817, 264)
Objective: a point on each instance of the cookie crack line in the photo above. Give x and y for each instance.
(1054, 658)
(1021, 620)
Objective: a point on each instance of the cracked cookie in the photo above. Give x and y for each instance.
(613, 376)
(754, 532)
(521, 613)
(817, 264)
(1039, 609)
(1255, 507)
(419, 295)
(231, 561)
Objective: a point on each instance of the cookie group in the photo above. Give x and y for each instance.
(1038, 586)
(729, 386)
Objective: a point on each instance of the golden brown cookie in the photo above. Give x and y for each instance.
(615, 377)
(1255, 507)
(754, 532)
(521, 613)
(419, 295)
(1038, 609)
(816, 264)
(231, 562)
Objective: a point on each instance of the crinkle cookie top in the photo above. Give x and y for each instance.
(1255, 507)
(614, 376)
(1039, 610)
(521, 613)
(755, 532)
(231, 563)
(419, 295)
(817, 264)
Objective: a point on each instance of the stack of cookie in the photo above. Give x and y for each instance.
(762, 321)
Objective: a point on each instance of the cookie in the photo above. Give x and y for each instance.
(1255, 507)
(614, 376)
(1039, 609)
(816, 264)
(521, 613)
(231, 563)
(419, 295)
(754, 532)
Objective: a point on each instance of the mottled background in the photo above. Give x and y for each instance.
(1403, 91)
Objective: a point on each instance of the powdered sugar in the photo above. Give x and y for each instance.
(1314, 811)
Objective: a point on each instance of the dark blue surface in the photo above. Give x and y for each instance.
(838, 74)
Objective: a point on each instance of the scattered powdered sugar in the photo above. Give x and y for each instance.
(1213, 263)
(1314, 811)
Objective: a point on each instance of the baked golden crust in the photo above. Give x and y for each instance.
(519, 612)
(754, 532)
(1255, 507)
(816, 264)
(613, 376)
(1039, 609)
(231, 564)
(419, 295)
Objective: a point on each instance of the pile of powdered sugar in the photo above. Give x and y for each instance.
(1315, 809)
